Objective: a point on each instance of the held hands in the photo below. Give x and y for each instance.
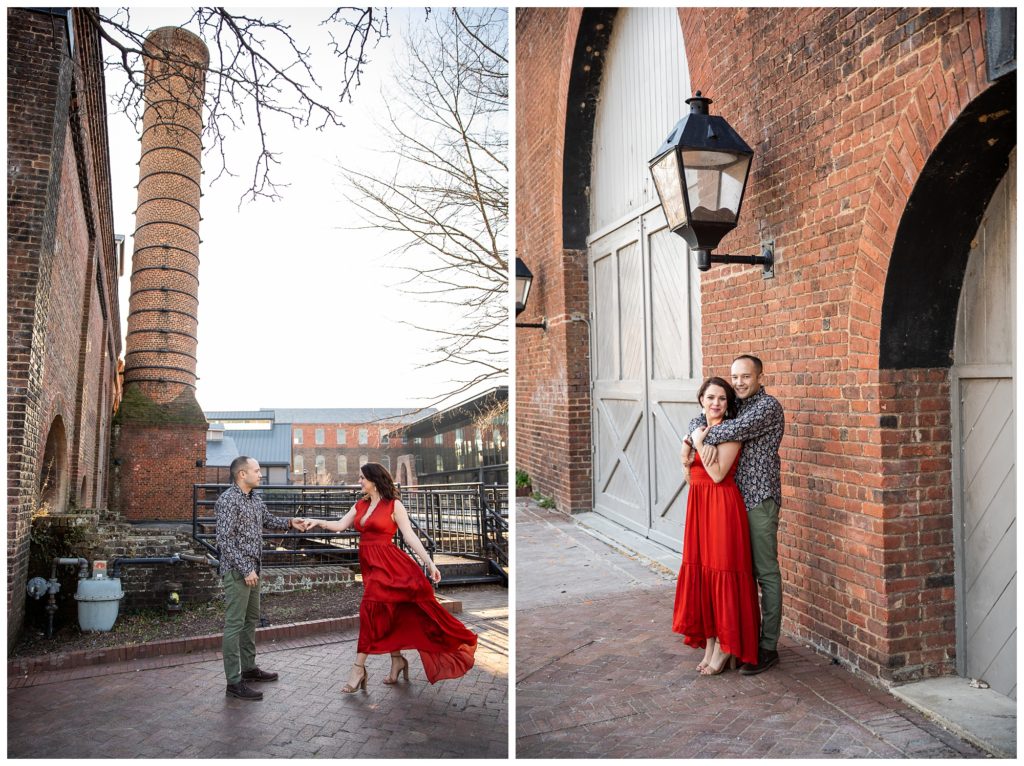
(303, 525)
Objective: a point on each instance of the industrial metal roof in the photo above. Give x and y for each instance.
(457, 415)
(329, 415)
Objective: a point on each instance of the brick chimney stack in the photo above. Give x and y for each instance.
(160, 430)
(164, 303)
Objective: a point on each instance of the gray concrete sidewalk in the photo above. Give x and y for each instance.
(599, 672)
(174, 707)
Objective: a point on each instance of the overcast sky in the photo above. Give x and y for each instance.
(296, 307)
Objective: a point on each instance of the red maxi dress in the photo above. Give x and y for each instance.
(716, 594)
(399, 610)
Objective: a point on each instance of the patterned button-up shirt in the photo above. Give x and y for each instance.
(241, 519)
(759, 425)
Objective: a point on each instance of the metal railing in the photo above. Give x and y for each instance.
(468, 520)
(291, 548)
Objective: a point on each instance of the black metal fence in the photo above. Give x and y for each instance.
(468, 520)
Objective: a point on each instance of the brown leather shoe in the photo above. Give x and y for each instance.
(255, 674)
(766, 658)
(243, 692)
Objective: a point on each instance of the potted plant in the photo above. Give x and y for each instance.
(523, 486)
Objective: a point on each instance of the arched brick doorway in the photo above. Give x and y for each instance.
(924, 432)
(53, 473)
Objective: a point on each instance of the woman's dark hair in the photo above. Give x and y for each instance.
(381, 477)
(730, 395)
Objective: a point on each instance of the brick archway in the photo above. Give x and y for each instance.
(53, 472)
(912, 257)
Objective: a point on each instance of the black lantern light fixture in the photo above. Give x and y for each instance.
(701, 173)
(524, 281)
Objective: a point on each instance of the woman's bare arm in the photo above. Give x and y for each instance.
(401, 517)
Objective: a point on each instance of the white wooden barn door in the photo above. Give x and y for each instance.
(644, 289)
(984, 467)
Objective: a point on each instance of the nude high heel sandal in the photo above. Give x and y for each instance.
(711, 670)
(404, 669)
(361, 684)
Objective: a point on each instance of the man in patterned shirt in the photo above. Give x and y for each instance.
(759, 425)
(241, 518)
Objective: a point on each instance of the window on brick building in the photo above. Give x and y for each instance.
(298, 436)
(321, 465)
(440, 463)
(340, 436)
(364, 435)
(319, 436)
(363, 460)
(439, 439)
(386, 461)
(342, 466)
(384, 437)
(299, 467)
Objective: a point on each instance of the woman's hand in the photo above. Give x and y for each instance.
(435, 573)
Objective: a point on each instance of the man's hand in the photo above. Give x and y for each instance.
(252, 579)
(297, 523)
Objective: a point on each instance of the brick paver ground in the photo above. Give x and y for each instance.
(175, 707)
(600, 674)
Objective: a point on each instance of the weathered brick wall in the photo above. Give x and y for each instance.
(843, 108)
(842, 121)
(552, 437)
(60, 246)
(154, 466)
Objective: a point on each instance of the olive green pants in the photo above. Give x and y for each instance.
(241, 616)
(764, 547)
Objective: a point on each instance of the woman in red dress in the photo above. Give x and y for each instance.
(398, 610)
(716, 595)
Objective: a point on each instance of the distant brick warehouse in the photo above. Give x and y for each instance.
(883, 171)
(328, 445)
(63, 328)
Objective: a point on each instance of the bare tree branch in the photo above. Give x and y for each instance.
(446, 188)
(258, 70)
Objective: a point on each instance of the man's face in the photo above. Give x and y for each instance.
(250, 476)
(745, 378)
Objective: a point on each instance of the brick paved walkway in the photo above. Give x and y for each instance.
(175, 707)
(600, 674)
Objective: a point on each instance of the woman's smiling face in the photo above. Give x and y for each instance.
(715, 402)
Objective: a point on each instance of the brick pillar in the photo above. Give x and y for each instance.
(160, 429)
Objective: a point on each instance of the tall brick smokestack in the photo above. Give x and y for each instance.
(160, 429)
(164, 304)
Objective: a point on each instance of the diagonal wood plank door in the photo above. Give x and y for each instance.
(984, 467)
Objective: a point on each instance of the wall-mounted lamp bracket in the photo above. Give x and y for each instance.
(765, 259)
(541, 325)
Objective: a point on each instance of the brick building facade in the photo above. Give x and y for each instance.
(63, 328)
(334, 451)
(881, 137)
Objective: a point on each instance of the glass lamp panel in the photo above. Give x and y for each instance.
(714, 183)
(522, 290)
(733, 178)
(667, 180)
